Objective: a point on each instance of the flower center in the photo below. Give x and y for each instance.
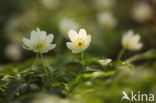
(42, 46)
(79, 43)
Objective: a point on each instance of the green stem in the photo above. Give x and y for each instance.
(42, 58)
(82, 60)
(36, 59)
(147, 55)
(134, 58)
(121, 54)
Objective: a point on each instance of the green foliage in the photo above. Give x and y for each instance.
(67, 82)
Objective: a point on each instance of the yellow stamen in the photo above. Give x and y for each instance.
(79, 43)
(42, 46)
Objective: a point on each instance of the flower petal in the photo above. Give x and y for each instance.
(76, 51)
(50, 47)
(88, 39)
(49, 38)
(139, 46)
(26, 47)
(26, 42)
(136, 37)
(69, 45)
(127, 36)
(83, 33)
(72, 35)
(35, 37)
(42, 35)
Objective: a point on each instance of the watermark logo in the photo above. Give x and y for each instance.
(137, 97)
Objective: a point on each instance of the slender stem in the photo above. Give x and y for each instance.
(82, 60)
(143, 56)
(42, 58)
(36, 60)
(134, 58)
(121, 54)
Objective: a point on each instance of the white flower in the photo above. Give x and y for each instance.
(66, 24)
(107, 19)
(131, 41)
(79, 41)
(142, 12)
(39, 42)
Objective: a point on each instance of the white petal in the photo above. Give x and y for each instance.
(49, 38)
(50, 47)
(82, 33)
(139, 46)
(69, 45)
(35, 37)
(27, 42)
(72, 35)
(76, 51)
(42, 35)
(88, 39)
(128, 34)
(127, 37)
(26, 47)
(136, 38)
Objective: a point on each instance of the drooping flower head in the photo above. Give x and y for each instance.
(39, 42)
(131, 41)
(79, 41)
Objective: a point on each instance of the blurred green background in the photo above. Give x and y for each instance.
(19, 17)
(106, 21)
